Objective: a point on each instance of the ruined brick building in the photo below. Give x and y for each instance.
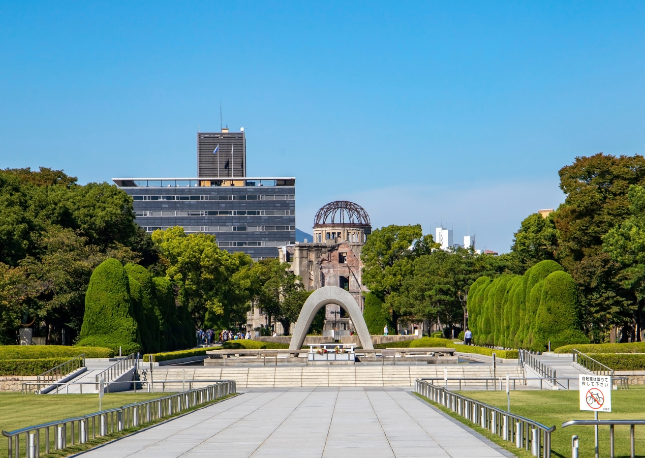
(333, 258)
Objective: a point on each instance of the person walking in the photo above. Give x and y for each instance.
(385, 330)
(468, 337)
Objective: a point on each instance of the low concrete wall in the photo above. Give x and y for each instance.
(313, 340)
(127, 376)
(635, 377)
(14, 382)
(65, 379)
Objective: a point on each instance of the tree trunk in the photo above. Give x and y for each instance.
(395, 322)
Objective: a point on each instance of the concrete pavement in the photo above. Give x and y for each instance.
(309, 422)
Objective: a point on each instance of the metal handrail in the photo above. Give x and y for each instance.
(149, 384)
(611, 424)
(623, 382)
(63, 369)
(591, 364)
(83, 428)
(117, 369)
(542, 369)
(524, 432)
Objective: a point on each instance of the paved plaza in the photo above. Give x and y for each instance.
(308, 422)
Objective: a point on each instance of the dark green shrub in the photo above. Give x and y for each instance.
(461, 335)
(534, 275)
(29, 366)
(376, 318)
(519, 309)
(437, 335)
(474, 304)
(487, 332)
(157, 357)
(532, 305)
(399, 344)
(151, 324)
(558, 316)
(165, 301)
(633, 347)
(507, 334)
(108, 320)
(52, 351)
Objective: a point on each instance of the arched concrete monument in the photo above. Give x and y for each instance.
(320, 298)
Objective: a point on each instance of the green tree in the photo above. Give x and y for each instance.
(626, 245)
(375, 315)
(387, 258)
(535, 241)
(597, 201)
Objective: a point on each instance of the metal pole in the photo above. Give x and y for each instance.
(574, 446)
(508, 395)
(596, 434)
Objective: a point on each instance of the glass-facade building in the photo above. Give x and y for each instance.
(252, 215)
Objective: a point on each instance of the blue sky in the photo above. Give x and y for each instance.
(422, 112)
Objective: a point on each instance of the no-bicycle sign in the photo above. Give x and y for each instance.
(595, 393)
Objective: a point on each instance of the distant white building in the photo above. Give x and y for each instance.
(444, 237)
(469, 241)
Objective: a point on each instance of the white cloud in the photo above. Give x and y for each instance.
(493, 211)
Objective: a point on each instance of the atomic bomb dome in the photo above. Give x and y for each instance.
(341, 221)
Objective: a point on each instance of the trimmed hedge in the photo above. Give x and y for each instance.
(108, 320)
(506, 354)
(622, 362)
(375, 317)
(252, 345)
(51, 351)
(526, 311)
(634, 347)
(416, 343)
(157, 357)
(29, 366)
(150, 322)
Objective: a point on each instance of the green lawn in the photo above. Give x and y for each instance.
(22, 410)
(555, 407)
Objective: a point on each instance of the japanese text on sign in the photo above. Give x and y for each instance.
(595, 393)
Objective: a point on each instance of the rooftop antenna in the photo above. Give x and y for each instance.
(220, 115)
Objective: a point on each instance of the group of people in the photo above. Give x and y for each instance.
(230, 335)
(208, 337)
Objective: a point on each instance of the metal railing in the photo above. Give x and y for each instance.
(32, 387)
(542, 369)
(591, 364)
(116, 370)
(78, 430)
(611, 423)
(523, 432)
(60, 371)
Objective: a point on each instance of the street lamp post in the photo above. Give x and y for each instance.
(336, 313)
(463, 298)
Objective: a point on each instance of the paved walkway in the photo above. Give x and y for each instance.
(307, 422)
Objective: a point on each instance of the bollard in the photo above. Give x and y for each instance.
(61, 437)
(83, 431)
(32, 445)
(135, 415)
(518, 434)
(483, 423)
(574, 446)
(103, 425)
(493, 423)
(534, 442)
(170, 406)
(119, 420)
(505, 427)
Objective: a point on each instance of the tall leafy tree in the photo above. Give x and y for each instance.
(535, 241)
(388, 256)
(626, 245)
(596, 189)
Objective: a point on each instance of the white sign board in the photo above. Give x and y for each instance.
(101, 388)
(595, 393)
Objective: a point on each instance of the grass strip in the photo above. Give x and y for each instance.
(520, 453)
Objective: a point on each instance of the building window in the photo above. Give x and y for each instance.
(343, 282)
(342, 258)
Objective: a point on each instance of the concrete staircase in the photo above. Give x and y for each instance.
(383, 376)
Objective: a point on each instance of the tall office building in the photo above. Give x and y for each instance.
(221, 154)
(443, 236)
(252, 215)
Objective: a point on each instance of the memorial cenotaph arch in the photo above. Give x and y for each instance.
(320, 298)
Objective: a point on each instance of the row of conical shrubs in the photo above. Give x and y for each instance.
(129, 308)
(526, 311)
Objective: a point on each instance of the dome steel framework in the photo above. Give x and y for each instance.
(342, 213)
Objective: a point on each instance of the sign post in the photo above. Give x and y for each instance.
(595, 395)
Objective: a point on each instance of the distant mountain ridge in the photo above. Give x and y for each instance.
(301, 236)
